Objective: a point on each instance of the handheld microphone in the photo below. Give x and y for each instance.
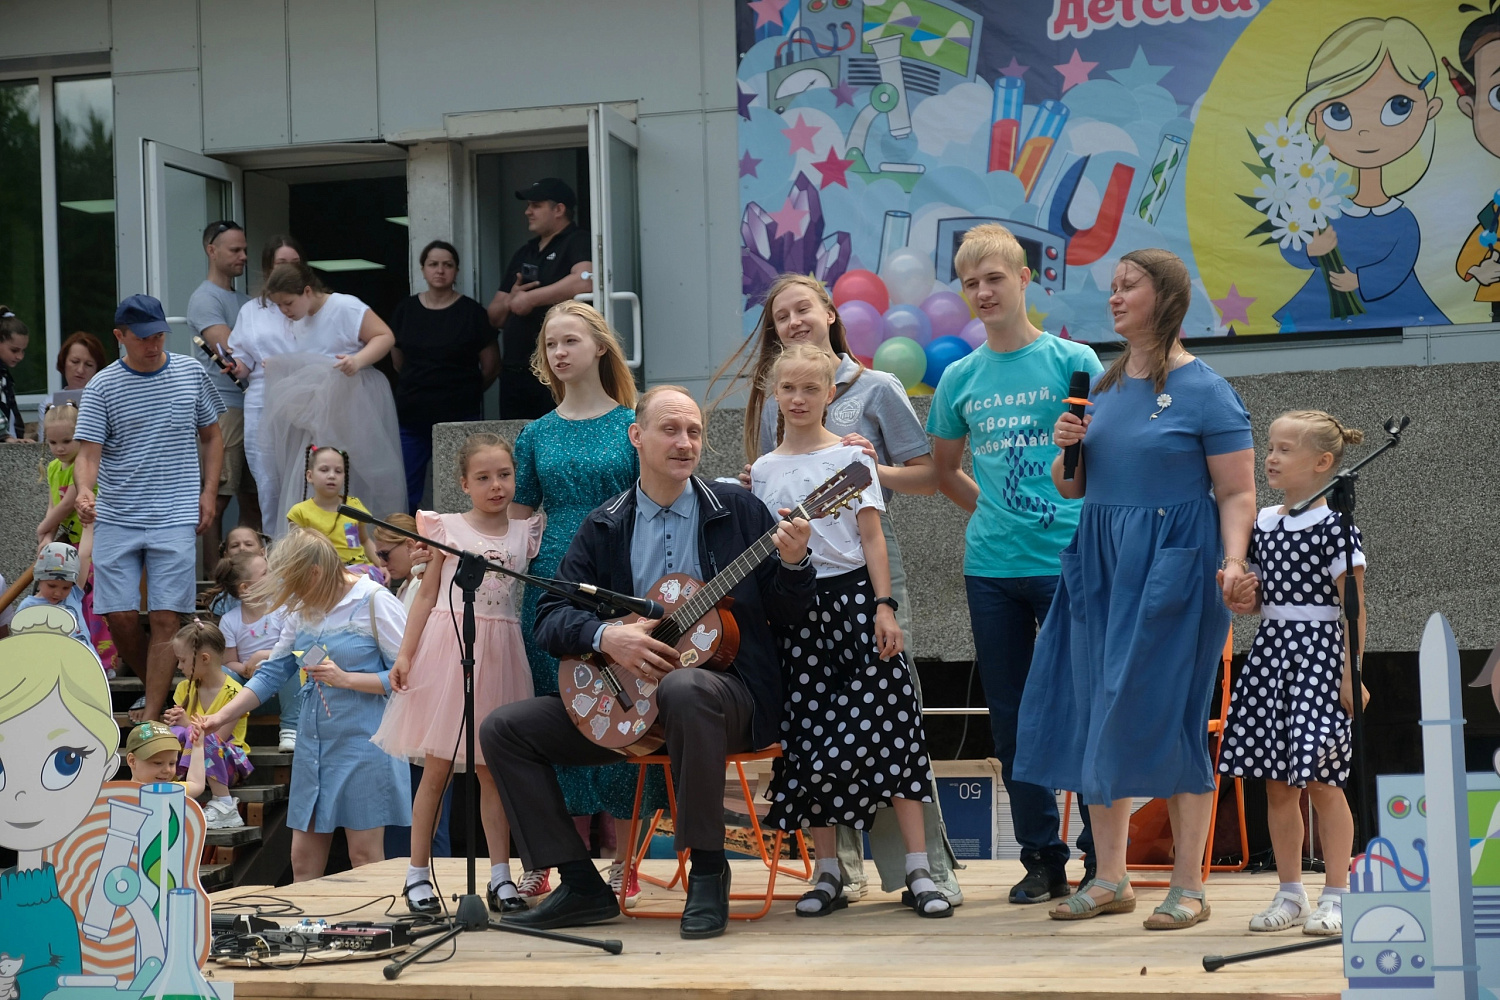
(219, 360)
(1078, 398)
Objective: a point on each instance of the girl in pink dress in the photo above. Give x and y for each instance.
(424, 717)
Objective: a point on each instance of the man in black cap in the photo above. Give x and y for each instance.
(549, 269)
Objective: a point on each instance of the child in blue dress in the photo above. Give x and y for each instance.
(344, 631)
(1289, 720)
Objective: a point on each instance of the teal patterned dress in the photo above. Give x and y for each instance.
(567, 468)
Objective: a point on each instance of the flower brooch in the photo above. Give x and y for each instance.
(1162, 402)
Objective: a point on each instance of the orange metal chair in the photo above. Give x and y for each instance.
(771, 858)
(1216, 734)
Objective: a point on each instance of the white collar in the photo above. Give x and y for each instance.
(1270, 517)
(1360, 211)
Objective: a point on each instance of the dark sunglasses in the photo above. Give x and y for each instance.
(385, 554)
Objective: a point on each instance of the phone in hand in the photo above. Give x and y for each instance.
(530, 273)
(314, 655)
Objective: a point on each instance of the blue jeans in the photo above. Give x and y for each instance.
(1005, 614)
(416, 454)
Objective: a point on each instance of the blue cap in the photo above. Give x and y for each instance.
(142, 315)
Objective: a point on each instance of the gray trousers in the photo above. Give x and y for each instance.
(886, 843)
(706, 716)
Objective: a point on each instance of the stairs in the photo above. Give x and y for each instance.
(259, 853)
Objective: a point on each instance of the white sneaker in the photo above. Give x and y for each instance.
(1327, 920)
(1280, 917)
(222, 816)
(288, 741)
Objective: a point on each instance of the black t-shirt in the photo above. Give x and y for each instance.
(564, 251)
(440, 379)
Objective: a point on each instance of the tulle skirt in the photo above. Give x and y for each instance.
(308, 401)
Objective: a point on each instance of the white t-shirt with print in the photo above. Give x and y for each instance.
(785, 480)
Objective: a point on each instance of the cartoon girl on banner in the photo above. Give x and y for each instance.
(58, 739)
(1367, 102)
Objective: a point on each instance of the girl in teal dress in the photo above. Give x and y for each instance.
(569, 462)
(1116, 705)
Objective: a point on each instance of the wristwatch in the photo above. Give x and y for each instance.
(891, 601)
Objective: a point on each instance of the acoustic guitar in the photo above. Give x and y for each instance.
(614, 704)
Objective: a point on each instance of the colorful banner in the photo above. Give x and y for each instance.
(1321, 167)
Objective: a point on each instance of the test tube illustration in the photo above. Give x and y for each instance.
(894, 234)
(160, 845)
(1046, 126)
(1005, 121)
(1169, 156)
(888, 56)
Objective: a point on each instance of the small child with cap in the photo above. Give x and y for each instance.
(151, 752)
(59, 571)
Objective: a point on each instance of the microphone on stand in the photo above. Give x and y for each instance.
(1078, 398)
(642, 606)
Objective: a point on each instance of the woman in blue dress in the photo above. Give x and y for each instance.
(339, 778)
(1117, 702)
(1367, 103)
(567, 463)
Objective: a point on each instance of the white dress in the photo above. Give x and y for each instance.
(260, 331)
(308, 401)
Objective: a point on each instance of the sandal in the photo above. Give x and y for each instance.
(826, 903)
(432, 904)
(918, 900)
(1327, 920)
(1177, 915)
(1082, 906)
(1278, 917)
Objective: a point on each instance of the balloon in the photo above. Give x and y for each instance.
(908, 276)
(908, 321)
(921, 389)
(861, 286)
(903, 358)
(941, 353)
(973, 333)
(863, 325)
(948, 312)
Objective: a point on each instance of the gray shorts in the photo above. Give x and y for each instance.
(167, 556)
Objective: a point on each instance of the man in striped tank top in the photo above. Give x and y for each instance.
(140, 422)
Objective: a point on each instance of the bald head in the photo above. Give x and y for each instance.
(668, 435)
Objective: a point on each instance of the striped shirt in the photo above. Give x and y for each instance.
(147, 426)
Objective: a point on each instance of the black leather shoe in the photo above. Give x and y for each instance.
(567, 907)
(428, 906)
(1042, 882)
(515, 904)
(706, 912)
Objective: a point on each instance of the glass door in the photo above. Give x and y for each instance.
(184, 192)
(615, 225)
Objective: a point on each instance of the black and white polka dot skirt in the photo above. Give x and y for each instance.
(1285, 720)
(852, 733)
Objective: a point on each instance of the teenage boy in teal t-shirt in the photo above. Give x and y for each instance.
(1004, 398)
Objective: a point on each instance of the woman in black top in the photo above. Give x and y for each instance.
(447, 355)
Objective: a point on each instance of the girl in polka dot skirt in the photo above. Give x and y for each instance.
(1289, 720)
(852, 734)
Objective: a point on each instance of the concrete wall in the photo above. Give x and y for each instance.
(1427, 510)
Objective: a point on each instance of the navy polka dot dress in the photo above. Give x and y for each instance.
(1285, 720)
(852, 734)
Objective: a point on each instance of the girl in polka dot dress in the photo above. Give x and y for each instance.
(1289, 720)
(852, 734)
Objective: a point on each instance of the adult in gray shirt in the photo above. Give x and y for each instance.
(211, 313)
(869, 409)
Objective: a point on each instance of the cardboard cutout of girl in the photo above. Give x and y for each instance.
(58, 743)
(1367, 102)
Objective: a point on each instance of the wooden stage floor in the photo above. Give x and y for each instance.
(988, 949)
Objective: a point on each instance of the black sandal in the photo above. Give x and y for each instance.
(918, 900)
(826, 903)
(432, 904)
(500, 904)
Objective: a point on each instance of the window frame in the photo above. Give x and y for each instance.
(46, 112)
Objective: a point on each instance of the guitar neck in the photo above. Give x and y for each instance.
(715, 590)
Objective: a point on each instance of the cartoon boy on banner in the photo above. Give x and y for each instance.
(1479, 100)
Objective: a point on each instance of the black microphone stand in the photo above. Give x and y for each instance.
(472, 913)
(1340, 494)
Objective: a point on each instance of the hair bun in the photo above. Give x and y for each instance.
(1353, 435)
(52, 618)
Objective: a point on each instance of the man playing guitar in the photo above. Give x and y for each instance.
(671, 522)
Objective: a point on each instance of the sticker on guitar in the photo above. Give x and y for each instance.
(670, 590)
(702, 638)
